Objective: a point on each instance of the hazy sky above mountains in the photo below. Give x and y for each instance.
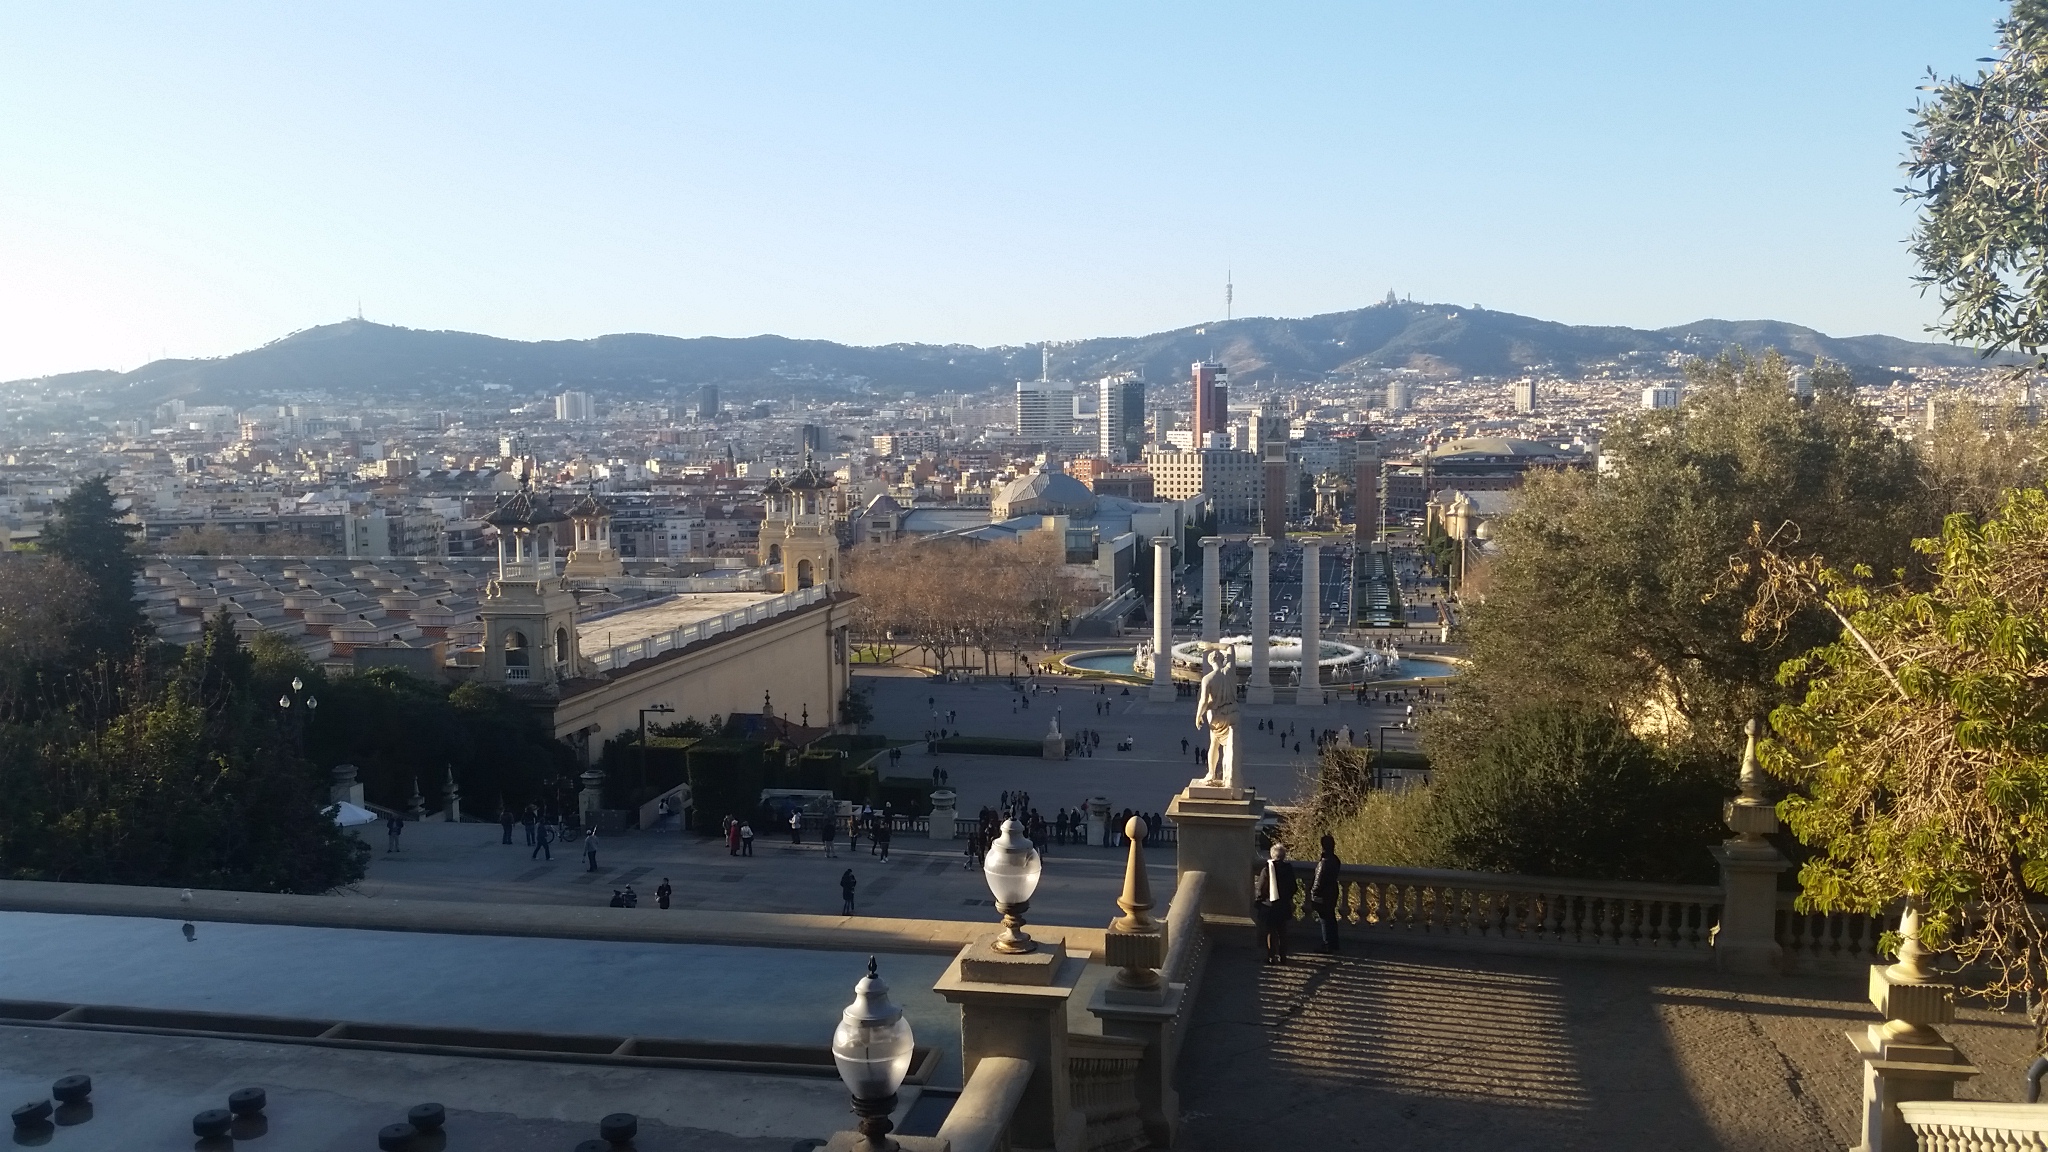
(195, 179)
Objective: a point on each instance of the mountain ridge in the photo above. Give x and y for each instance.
(357, 359)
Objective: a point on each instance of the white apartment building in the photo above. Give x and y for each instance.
(575, 408)
(1661, 397)
(1044, 409)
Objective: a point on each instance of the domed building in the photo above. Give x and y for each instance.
(1046, 492)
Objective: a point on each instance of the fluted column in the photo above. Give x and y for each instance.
(1260, 688)
(1212, 588)
(1310, 684)
(1162, 618)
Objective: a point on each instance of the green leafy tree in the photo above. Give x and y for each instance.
(1917, 749)
(193, 784)
(1976, 167)
(88, 535)
(1614, 591)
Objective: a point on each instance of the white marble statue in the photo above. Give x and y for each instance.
(1216, 710)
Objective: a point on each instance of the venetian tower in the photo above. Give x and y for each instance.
(797, 530)
(528, 611)
(590, 520)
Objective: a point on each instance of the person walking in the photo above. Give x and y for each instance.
(1273, 896)
(853, 831)
(846, 886)
(393, 829)
(882, 833)
(527, 820)
(505, 818)
(543, 835)
(830, 833)
(1325, 889)
(746, 838)
(590, 849)
(662, 894)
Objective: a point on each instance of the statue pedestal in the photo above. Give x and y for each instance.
(943, 824)
(1218, 836)
(1054, 746)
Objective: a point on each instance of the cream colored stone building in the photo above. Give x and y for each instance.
(1233, 482)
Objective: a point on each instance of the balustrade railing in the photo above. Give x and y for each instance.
(620, 655)
(1478, 909)
(1976, 1125)
(1829, 941)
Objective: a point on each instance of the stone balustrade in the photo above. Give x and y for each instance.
(1976, 1125)
(1829, 942)
(620, 655)
(1104, 1071)
(1531, 913)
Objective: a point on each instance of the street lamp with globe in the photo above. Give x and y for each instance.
(1012, 869)
(872, 1047)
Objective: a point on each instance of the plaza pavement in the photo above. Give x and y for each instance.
(923, 878)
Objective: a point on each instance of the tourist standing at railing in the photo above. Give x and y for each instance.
(1273, 899)
(1325, 889)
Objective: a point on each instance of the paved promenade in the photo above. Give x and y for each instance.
(1397, 1049)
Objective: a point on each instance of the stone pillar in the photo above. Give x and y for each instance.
(451, 800)
(1212, 588)
(943, 814)
(1162, 618)
(1098, 820)
(1748, 939)
(1259, 690)
(1016, 1006)
(590, 801)
(1309, 685)
(1137, 1003)
(1219, 836)
(345, 788)
(416, 804)
(1905, 1058)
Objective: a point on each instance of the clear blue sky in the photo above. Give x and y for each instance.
(197, 179)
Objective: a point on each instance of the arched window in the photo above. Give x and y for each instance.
(803, 573)
(775, 554)
(561, 645)
(516, 654)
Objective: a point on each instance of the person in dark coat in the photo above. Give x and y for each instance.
(1325, 890)
(505, 818)
(1273, 902)
(846, 886)
(542, 839)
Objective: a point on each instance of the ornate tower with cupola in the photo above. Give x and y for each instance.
(799, 528)
(528, 611)
(592, 556)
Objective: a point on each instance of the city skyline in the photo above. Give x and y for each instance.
(193, 185)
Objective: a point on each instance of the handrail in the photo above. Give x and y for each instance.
(1510, 882)
(1976, 1125)
(980, 1119)
(1184, 927)
(1483, 909)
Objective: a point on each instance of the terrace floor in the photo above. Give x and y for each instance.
(1394, 1049)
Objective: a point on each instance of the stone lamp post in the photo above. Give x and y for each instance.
(1012, 868)
(872, 1047)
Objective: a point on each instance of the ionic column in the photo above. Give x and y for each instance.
(1309, 688)
(1162, 618)
(1212, 588)
(1260, 689)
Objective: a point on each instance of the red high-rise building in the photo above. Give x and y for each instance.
(1212, 400)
